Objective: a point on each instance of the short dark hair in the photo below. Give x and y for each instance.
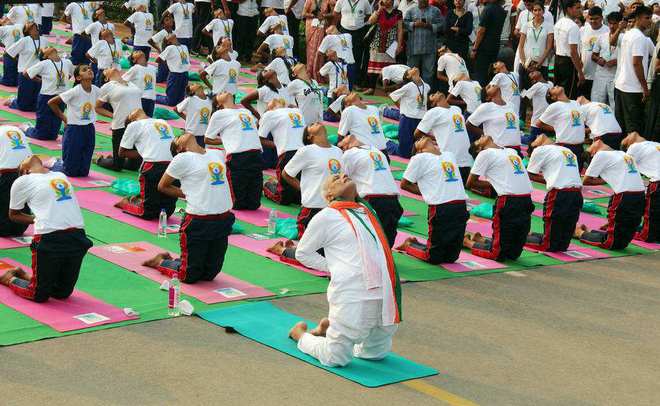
(615, 17)
(570, 3)
(595, 11)
(642, 11)
(173, 149)
(306, 136)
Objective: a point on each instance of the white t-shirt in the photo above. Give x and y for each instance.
(647, 158)
(133, 4)
(509, 84)
(54, 75)
(600, 119)
(618, 169)
(10, 34)
(567, 33)
(603, 48)
(272, 21)
(588, 37)
(21, 15)
(182, 13)
(27, 50)
(80, 17)
(220, 29)
(107, 55)
(308, 98)
(143, 77)
(342, 44)
(94, 30)
(286, 125)
(470, 92)
(159, 37)
(504, 169)
(335, 106)
(80, 105)
(52, 201)
(500, 122)
(412, 99)
(275, 41)
(316, 164)
(453, 65)
(176, 57)
(266, 94)
(448, 127)
(151, 138)
(337, 74)
(224, 76)
(248, 8)
(144, 28)
(14, 147)
(369, 169)
(236, 128)
(278, 66)
(47, 10)
(198, 113)
(537, 94)
(557, 164)
(437, 177)
(394, 73)
(364, 124)
(203, 180)
(123, 99)
(353, 14)
(278, 4)
(536, 39)
(526, 17)
(634, 43)
(567, 121)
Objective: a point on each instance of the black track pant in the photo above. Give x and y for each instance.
(8, 228)
(561, 211)
(282, 193)
(389, 212)
(624, 214)
(246, 179)
(651, 229)
(150, 202)
(566, 75)
(114, 162)
(447, 223)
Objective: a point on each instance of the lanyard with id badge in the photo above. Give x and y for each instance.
(59, 75)
(536, 49)
(352, 18)
(421, 96)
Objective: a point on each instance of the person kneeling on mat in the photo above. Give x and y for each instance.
(434, 175)
(13, 150)
(59, 244)
(148, 139)
(208, 221)
(364, 294)
(505, 172)
(557, 167)
(626, 207)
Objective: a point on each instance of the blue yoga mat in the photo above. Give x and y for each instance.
(268, 325)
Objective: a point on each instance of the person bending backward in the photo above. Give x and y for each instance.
(79, 132)
(369, 169)
(537, 93)
(363, 122)
(509, 84)
(286, 126)
(601, 121)
(105, 53)
(28, 51)
(446, 124)
(14, 148)
(626, 206)
(282, 64)
(79, 16)
(223, 72)
(434, 175)
(564, 117)
(557, 167)
(59, 244)
(94, 29)
(364, 294)
(412, 99)
(196, 110)
(336, 73)
(647, 157)
(236, 128)
(466, 94)
(504, 171)
(143, 76)
(307, 94)
(178, 63)
(147, 139)
(392, 75)
(452, 65)
(208, 221)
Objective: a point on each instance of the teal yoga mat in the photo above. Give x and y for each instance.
(268, 325)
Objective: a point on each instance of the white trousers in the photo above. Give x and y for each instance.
(356, 330)
(602, 91)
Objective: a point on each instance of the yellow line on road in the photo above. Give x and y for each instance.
(438, 393)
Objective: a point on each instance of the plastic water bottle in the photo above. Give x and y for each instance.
(272, 221)
(162, 224)
(174, 296)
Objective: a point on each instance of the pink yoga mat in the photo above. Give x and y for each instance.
(53, 145)
(94, 179)
(259, 247)
(17, 242)
(101, 202)
(466, 261)
(257, 217)
(482, 226)
(538, 195)
(224, 288)
(575, 253)
(399, 159)
(596, 192)
(27, 114)
(77, 312)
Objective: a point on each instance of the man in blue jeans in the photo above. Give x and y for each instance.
(422, 24)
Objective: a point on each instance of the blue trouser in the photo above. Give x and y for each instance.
(176, 89)
(79, 47)
(46, 25)
(10, 71)
(98, 77)
(77, 149)
(26, 94)
(406, 135)
(352, 72)
(162, 73)
(48, 124)
(187, 42)
(145, 49)
(148, 106)
(269, 155)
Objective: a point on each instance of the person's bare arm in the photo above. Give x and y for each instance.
(166, 187)
(247, 102)
(477, 42)
(293, 181)
(473, 129)
(474, 182)
(543, 126)
(521, 48)
(54, 104)
(212, 141)
(266, 143)
(420, 134)
(549, 47)
(19, 217)
(589, 181)
(100, 109)
(455, 101)
(204, 76)
(128, 153)
(638, 66)
(410, 187)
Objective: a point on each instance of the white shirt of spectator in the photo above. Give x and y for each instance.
(236, 128)
(315, 164)
(567, 33)
(14, 147)
(618, 169)
(364, 124)
(500, 122)
(504, 169)
(589, 37)
(557, 164)
(634, 43)
(353, 13)
(536, 39)
(248, 8)
(437, 177)
(447, 125)
(603, 48)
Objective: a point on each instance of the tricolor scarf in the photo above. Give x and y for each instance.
(376, 254)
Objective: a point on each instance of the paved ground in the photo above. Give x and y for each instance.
(580, 334)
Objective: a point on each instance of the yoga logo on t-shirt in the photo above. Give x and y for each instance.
(457, 119)
(15, 139)
(477, 91)
(184, 57)
(606, 109)
(510, 120)
(148, 82)
(84, 12)
(515, 89)
(217, 172)
(204, 114)
(575, 118)
(630, 162)
(569, 158)
(163, 130)
(227, 31)
(286, 43)
(377, 158)
(148, 24)
(518, 168)
(85, 111)
(232, 75)
(246, 122)
(334, 166)
(373, 123)
(296, 120)
(343, 42)
(420, 102)
(62, 189)
(16, 34)
(449, 170)
(591, 43)
(28, 14)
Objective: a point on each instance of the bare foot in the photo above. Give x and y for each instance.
(467, 241)
(290, 244)
(277, 248)
(155, 261)
(122, 203)
(6, 278)
(477, 237)
(407, 243)
(298, 330)
(369, 92)
(320, 330)
(579, 230)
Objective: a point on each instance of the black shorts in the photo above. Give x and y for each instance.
(624, 215)
(561, 211)
(389, 212)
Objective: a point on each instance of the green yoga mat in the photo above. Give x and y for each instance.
(268, 325)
